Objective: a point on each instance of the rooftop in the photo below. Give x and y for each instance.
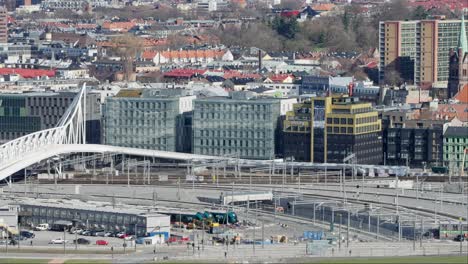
(453, 131)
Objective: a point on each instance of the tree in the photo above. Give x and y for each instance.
(127, 47)
(286, 27)
(290, 4)
(392, 77)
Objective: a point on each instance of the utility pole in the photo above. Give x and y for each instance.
(347, 230)
(339, 233)
(178, 189)
(461, 235)
(255, 227)
(263, 234)
(64, 244)
(414, 234)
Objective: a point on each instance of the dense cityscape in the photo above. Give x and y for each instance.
(228, 131)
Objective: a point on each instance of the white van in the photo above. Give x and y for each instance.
(42, 227)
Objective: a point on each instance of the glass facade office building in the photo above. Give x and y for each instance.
(140, 119)
(22, 114)
(239, 125)
(15, 118)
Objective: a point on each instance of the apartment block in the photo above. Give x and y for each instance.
(456, 148)
(419, 49)
(3, 25)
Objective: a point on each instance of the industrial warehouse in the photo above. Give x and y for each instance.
(67, 214)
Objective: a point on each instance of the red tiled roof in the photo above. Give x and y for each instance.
(86, 26)
(429, 4)
(462, 95)
(277, 78)
(118, 26)
(184, 73)
(323, 7)
(292, 13)
(27, 73)
(452, 110)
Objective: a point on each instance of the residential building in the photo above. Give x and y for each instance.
(353, 127)
(410, 139)
(418, 50)
(456, 148)
(63, 4)
(206, 6)
(458, 64)
(158, 119)
(3, 25)
(299, 142)
(312, 84)
(187, 56)
(239, 125)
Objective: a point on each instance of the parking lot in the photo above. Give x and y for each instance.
(44, 238)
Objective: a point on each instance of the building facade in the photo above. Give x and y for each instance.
(353, 127)
(456, 148)
(3, 25)
(458, 64)
(298, 140)
(419, 50)
(410, 140)
(312, 84)
(239, 125)
(107, 218)
(22, 114)
(149, 119)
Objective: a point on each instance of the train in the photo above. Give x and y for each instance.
(210, 216)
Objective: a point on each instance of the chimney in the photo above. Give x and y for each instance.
(350, 89)
(259, 60)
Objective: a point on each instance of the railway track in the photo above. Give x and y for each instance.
(288, 217)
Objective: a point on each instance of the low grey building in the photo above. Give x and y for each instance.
(93, 216)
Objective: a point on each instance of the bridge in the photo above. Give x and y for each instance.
(69, 136)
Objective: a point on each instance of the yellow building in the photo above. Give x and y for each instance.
(353, 127)
(341, 126)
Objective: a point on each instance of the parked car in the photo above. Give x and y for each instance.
(99, 233)
(459, 238)
(42, 227)
(58, 241)
(127, 237)
(108, 234)
(27, 234)
(81, 241)
(86, 233)
(102, 242)
(121, 235)
(76, 230)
